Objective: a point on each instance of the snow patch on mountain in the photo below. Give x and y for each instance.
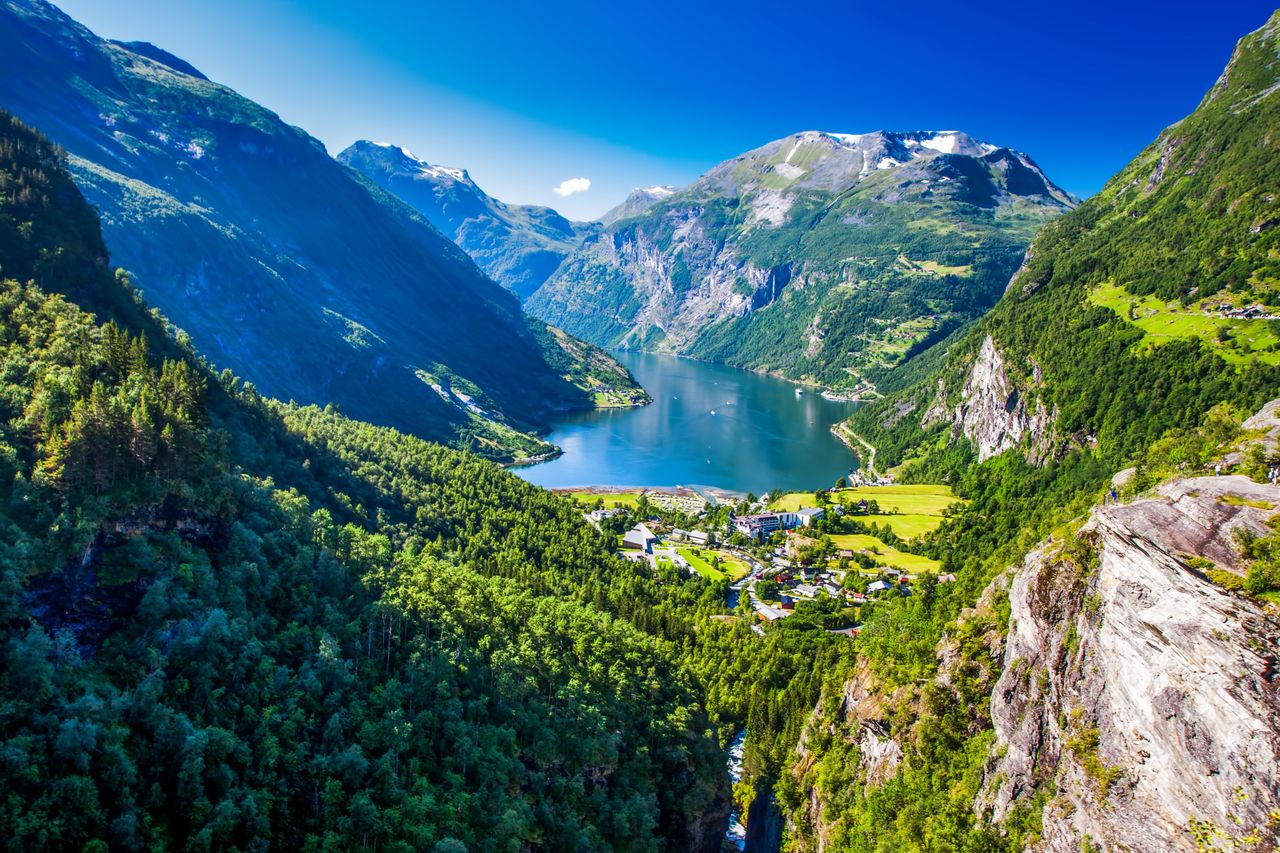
(945, 143)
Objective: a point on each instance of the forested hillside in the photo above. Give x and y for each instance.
(227, 622)
(280, 263)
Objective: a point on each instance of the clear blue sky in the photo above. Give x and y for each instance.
(526, 95)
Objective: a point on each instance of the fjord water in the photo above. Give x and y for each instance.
(708, 425)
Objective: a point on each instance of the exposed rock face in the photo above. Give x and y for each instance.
(880, 755)
(78, 600)
(1145, 693)
(993, 413)
(678, 290)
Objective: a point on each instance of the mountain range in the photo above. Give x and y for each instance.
(282, 264)
(519, 246)
(827, 257)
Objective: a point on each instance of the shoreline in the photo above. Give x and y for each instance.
(834, 395)
(598, 489)
(847, 438)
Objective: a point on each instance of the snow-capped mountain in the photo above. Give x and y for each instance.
(834, 257)
(519, 246)
(637, 202)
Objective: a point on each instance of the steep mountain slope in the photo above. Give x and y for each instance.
(829, 257)
(519, 246)
(229, 623)
(1100, 673)
(280, 263)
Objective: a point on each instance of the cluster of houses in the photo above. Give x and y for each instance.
(762, 525)
(642, 538)
(1248, 312)
(803, 585)
(598, 515)
(862, 477)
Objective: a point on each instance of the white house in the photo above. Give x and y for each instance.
(640, 538)
(809, 515)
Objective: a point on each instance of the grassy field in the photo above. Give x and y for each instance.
(906, 525)
(699, 561)
(611, 499)
(731, 566)
(1166, 321)
(886, 554)
(918, 508)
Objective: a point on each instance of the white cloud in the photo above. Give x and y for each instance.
(571, 186)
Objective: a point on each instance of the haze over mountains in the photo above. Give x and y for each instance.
(279, 262)
(519, 246)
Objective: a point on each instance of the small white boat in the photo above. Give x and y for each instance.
(799, 391)
(713, 411)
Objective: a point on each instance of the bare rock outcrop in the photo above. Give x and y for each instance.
(993, 413)
(1143, 692)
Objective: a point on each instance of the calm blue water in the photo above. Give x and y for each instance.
(707, 426)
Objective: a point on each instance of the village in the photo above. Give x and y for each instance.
(823, 556)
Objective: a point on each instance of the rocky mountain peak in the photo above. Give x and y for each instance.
(638, 201)
(397, 160)
(836, 162)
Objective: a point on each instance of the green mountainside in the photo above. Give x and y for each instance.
(280, 263)
(833, 258)
(1028, 416)
(519, 246)
(237, 624)
(232, 622)
(1132, 314)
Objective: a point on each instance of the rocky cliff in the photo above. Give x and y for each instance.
(1111, 691)
(993, 413)
(1143, 693)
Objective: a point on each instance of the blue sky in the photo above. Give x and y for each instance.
(529, 95)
